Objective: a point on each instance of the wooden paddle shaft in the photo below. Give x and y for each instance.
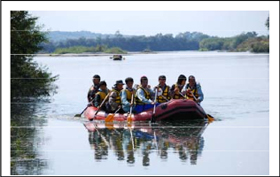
(194, 96)
(102, 103)
(132, 99)
(154, 111)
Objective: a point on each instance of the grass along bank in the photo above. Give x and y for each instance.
(83, 49)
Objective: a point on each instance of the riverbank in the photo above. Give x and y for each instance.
(88, 54)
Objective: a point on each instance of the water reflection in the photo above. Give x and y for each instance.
(25, 138)
(183, 138)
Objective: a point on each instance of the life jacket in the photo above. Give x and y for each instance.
(102, 94)
(160, 99)
(92, 92)
(194, 91)
(177, 95)
(128, 95)
(118, 97)
(147, 96)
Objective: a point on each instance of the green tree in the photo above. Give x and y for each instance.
(267, 23)
(28, 79)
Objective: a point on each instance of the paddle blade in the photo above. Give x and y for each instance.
(109, 125)
(109, 118)
(78, 115)
(210, 118)
(129, 118)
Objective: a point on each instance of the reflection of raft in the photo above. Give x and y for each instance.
(163, 131)
(124, 139)
(173, 110)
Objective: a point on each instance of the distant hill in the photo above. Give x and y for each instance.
(56, 36)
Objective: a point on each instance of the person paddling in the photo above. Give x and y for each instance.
(94, 88)
(176, 89)
(127, 94)
(115, 97)
(164, 90)
(101, 95)
(144, 96)
(193, 90)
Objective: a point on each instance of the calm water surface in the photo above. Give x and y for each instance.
(48, 140)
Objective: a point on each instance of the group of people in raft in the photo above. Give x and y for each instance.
(120, 99)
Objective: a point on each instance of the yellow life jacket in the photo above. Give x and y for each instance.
(118, 98)
(177, 95)
(128, 95)
(194, 91)
(102, 94)
(147, 96)
(160, 99)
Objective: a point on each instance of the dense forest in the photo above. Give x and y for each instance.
(85, 41)
(159, 42)
(249, 41)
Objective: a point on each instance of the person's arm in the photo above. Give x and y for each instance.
(124, 98)
(89, 94)
(140, 94)
(112, 101)
(169, 92)
(184, 90)
(200, 93)
(172, 92)
(152, 93)
(96, 100)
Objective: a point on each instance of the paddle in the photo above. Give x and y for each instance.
(210, 118)
(79, 115)
(101, 105)
(164, 98)
(131, 135)
(129, 118)
(154, 111)
(103, 138)
(110, 117)
(155, 140)
(182, 94)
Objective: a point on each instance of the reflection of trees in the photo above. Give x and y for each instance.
(25, 141)
(185, 140)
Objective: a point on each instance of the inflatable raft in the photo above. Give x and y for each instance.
(174, 109)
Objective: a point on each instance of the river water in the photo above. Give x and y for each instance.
(47, 139)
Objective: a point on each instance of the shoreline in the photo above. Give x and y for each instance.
(129, 54)
(90, 54)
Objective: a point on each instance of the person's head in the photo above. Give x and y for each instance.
(191, 80)
(119, 85)
(162, 79)
(103, 85)
(181, 79)
(144, 81)
(96, 79)
(129, 82)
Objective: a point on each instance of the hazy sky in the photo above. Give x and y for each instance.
(216, 23)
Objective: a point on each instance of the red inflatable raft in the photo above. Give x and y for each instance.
(171, 110)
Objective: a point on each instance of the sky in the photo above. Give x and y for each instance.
(214, 23)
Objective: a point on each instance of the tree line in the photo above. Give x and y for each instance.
(249, 41)
(159, 42)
